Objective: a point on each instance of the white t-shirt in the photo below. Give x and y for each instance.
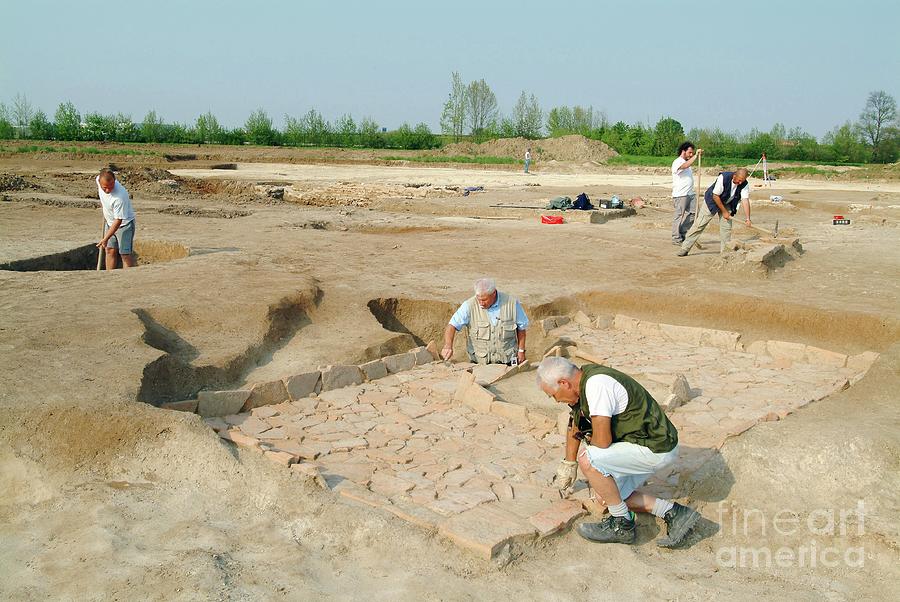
(116, 204)
(605, 396)
(719, 188)
(682, 181)
(528, 155)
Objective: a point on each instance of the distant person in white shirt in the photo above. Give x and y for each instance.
(683, 198)
(730, 190)
(527, 159)
(118, 234)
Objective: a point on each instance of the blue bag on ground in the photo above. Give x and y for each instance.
(582, 202)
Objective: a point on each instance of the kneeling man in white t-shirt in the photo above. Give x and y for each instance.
(627, 438)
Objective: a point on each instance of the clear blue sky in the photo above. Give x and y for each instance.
(732, 65)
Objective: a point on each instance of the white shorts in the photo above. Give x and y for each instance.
(628, 463)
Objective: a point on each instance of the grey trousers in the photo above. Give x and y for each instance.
(685, 207)
(703, 219)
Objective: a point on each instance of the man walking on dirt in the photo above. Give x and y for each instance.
(527, 159)
(683, 198)
(627, 438)
(496, 325)
(118, 234)
(722, 198)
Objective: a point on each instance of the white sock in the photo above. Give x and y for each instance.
(620, 509)
(660, 507)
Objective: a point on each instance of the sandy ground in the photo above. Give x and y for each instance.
(105, 497)
(441, 176)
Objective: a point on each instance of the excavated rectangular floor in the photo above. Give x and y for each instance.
(442, 452)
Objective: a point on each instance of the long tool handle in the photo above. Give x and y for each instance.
(757, 228)
(100, 250)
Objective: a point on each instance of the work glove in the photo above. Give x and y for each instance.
(566, 474)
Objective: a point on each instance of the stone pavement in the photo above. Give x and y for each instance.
(433, 445)
(401, 443)
(733, 386)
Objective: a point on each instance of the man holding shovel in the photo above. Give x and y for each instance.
(683, 198)
(118, 217)
(722, 198)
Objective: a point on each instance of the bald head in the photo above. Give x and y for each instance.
(107, 180)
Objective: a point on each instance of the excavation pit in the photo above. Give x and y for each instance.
(146, 252)
(470, 451)
(422, 319)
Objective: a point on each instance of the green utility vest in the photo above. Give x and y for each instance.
(643, 422)
(492, 343)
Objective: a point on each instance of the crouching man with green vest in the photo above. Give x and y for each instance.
(627, 438)
(496, 325)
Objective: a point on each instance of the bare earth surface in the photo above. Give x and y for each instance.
(290, 263)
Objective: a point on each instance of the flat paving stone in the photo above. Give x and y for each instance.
(389, 486)
(557, 517)
(485, 530)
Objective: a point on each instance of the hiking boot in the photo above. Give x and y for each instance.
(677, 243)
(679, 521)
(681, 252)
(612, 529)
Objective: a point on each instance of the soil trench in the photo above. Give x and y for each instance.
(181, 372)
(145, 252)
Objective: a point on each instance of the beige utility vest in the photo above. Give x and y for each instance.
(492, 343)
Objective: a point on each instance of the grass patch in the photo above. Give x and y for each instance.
(88, 150)
(804, 170)
(481, 160)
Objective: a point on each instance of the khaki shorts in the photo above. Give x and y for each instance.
(628, 463)
(123, 239)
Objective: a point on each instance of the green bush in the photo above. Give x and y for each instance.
(7, 131)
(417, 138)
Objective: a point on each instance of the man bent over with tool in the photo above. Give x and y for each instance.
(627, 437)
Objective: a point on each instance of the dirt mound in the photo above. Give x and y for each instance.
(14, 182)
(575, 149)
(58, 202)
(197, 212)
(757, 258)
(143, 175)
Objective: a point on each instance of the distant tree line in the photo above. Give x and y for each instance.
(874, 137)
(471, 111)
(20, 121)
